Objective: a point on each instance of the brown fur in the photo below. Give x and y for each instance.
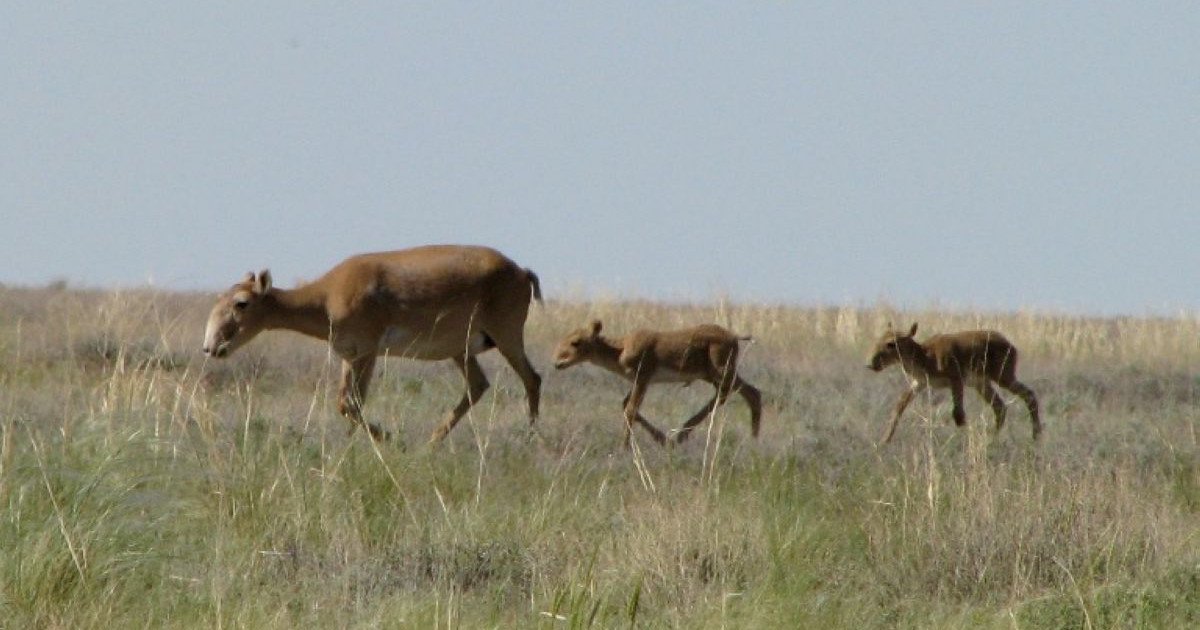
(705, 353)
(431, 303)
(974, 357)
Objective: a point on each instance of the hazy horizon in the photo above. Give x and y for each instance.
(1001, 158)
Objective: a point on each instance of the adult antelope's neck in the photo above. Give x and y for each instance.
(301, 309)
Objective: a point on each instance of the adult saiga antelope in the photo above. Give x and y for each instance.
(430, 303)
(706, 353)
(974, 357)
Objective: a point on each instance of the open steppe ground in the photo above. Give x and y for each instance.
(143, 486)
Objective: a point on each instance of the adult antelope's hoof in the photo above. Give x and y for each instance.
(531, 434)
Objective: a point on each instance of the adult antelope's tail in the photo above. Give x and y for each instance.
(533, 282)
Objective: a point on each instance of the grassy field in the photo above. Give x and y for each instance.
(143, 486)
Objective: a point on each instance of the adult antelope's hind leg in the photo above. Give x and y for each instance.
(477, 384)
(898, 411)
(989, 393)
(1031, 401)
(513, 350)
(356, 378)
(530, 379)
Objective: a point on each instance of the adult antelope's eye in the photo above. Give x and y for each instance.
(891, 345)
(240, 305)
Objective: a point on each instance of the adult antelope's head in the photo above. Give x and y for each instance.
(237, 316)
(892, 347)
(577, 346)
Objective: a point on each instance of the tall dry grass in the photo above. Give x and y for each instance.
(143, 484)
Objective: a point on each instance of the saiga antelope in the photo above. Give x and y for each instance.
(972, 357)
(705, 353)
(430, 303)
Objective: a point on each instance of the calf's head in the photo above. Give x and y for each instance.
(237, 316)
(578, 345)
(893, 347)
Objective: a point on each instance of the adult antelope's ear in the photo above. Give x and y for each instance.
(912, 331)
(596, 326)
(262, 282)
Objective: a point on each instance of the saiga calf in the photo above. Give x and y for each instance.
(975, 357)
(702, 353)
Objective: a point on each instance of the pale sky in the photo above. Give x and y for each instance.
(974, 155)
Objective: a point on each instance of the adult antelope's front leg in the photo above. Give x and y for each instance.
(477, 384)
(356, 378)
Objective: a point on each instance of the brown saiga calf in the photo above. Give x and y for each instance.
(702, 353)
(971, 357)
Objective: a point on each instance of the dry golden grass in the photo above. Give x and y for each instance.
(144, 485)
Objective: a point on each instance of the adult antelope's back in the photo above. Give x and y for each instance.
(430, 303)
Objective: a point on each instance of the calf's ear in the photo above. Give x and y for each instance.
(913, 331)
(262, 282)
(596, 327)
